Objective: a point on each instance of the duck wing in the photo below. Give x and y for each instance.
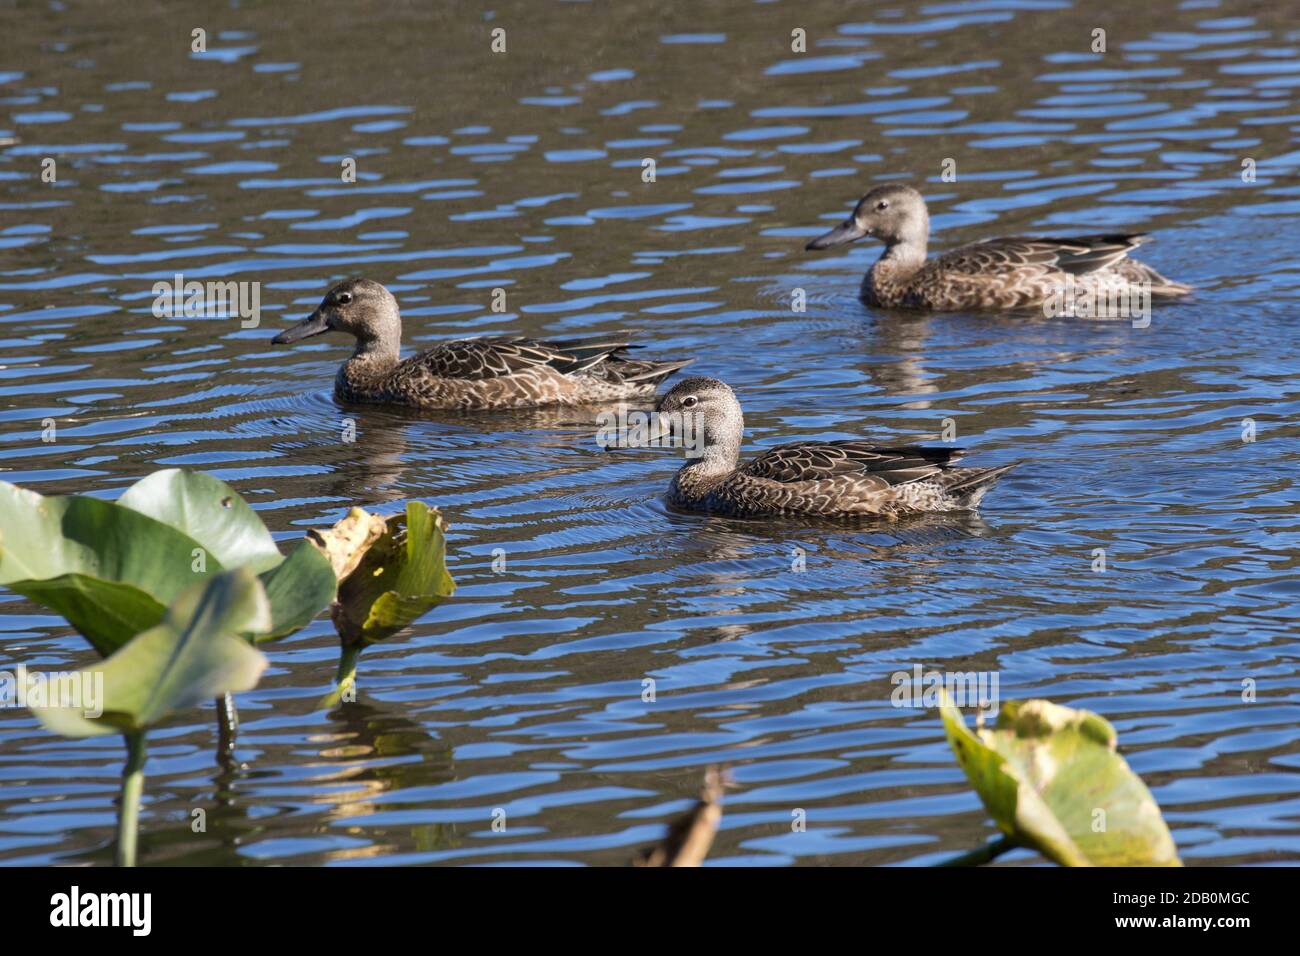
(813, 461)
(1078, 255)
(478, 359)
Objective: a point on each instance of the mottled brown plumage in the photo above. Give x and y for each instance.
(1014, 272)
(482, 373)
(834, 479)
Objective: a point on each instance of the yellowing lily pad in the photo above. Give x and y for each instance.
(347, 542)
(400, 576)
(1052, 780)
(395, 571)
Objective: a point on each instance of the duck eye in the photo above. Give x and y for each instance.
(343, 298)
(690, 401)
(883, 204)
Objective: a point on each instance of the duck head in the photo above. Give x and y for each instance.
(892, 213)
(360, 307)
(708, 411)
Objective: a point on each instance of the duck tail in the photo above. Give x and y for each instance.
(1169, 289)
(580, 355)
(1135, 271)
(972, 484)
(1161, 286)
(652, 373)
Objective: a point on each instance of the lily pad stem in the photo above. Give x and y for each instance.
(128, 813)
(227, 729)
(984, 854)
(346, 681)
(347, 675)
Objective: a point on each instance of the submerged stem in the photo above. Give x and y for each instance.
(348, 666)
(345, 682)
(227, 729)
(128, 812)
(984, 854)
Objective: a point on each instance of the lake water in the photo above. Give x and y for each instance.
(523, 171)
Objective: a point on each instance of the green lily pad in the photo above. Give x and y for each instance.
(1051, 779)
(400, 577)
(106, 613)
(194, 654)
(299, 588)
(108, 570)
(209, 511)
(213, 514)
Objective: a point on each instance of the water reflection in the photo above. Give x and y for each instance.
(523, 172)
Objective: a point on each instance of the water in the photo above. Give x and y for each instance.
(523, 171)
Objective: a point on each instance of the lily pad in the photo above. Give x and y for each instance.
(110, 568)
(299, 588)
(1052, 780)
(348, 541)
(399, 577)
(398, 572)
(109, 571)
(194, 654)
(209, 511)
(213, 514)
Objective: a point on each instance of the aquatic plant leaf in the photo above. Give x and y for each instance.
(106, 613)
(348, 541)
(108, 570)
(213, 514)
(209, 511)
(398, 578)
(299, 588)
(1051, 779)
(195, 653)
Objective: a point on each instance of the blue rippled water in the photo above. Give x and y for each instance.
(523, 171)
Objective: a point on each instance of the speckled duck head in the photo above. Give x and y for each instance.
(893, 213)
(361, 308)
(715, 413)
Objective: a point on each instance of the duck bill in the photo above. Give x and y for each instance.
(660, 428)
(314, 324)
(846, 232)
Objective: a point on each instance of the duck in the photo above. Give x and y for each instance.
(1013, 272)
(469, 374)
(825, 479)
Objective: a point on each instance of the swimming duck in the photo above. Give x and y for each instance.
(483, 373)
(1009, 273)
(830, 479)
